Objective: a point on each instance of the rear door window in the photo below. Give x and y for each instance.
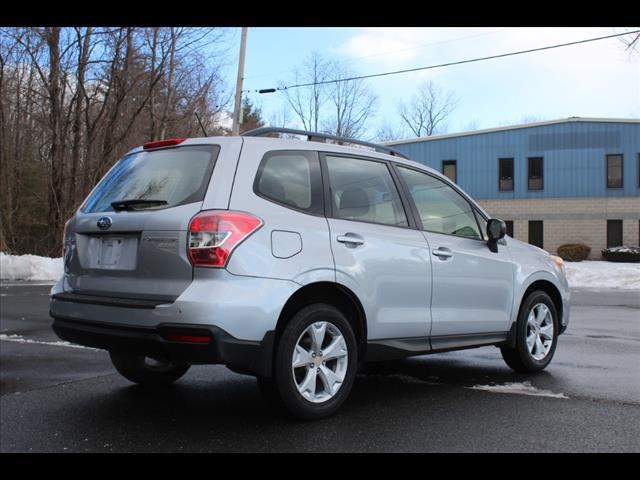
(176, 176)
(364, 190)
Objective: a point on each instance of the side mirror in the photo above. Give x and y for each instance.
(496, 229)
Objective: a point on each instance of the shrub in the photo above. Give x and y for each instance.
(622, 254)
(574, 252)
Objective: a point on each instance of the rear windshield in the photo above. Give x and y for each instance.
(174, 175)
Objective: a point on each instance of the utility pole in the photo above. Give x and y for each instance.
(237, 110)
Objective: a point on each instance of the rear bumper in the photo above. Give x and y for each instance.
(239, 314)
(245, 356)
(244, 307)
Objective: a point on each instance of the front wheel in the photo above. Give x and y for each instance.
(315, 364)
(147, 371)
(536, 334)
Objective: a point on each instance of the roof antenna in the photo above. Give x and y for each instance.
(201, 126)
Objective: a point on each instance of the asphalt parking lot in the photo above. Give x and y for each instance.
(56, 397)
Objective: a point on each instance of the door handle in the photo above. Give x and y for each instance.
(442, 253)
(352, 239)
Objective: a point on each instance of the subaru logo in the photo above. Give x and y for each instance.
(104, 223)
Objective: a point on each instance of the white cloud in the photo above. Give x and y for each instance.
(593, 79)
(400, 46)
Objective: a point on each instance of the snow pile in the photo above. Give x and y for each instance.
(524, 388)
(594, 274)
(30, 268)
(21, 339)
(624, 249)
(586, 274)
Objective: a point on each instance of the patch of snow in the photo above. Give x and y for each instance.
(596, 274)
(30, 268)
(21, 339)
(624, 249)
(524, 388)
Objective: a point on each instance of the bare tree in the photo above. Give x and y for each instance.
(524, 119)
(388, 133)
(472, 125)
(308, 102)
(75, 99)
(632, 41)
(282, 118)
(427, 111)
(326, 101)
(351, 103)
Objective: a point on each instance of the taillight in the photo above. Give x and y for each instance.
(213, 234)
(163, 143)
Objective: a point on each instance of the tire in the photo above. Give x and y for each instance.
(323, 394)
(139, 369)
(522, 358)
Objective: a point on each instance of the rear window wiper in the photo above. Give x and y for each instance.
(131, 204)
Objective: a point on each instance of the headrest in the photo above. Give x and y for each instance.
(354, 203)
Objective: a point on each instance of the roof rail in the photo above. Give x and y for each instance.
(316, 136)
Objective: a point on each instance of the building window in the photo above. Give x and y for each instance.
(536, 176)
(506, 174)
(450, 170)
(535, 233)
(614, 233)
(509, 224)
(614, 171)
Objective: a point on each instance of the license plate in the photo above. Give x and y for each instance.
(110, 250)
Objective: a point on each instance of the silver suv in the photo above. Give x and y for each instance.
(295, 261)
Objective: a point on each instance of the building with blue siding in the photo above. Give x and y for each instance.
(554, 182)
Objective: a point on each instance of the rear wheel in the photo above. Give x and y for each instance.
(536, 334)
(315, 364)
(145, 370)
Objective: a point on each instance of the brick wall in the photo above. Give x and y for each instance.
(570, 220)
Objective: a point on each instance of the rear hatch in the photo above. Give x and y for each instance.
(129, 238)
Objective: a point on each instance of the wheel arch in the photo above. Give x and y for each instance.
(331, 293)
(550, 289)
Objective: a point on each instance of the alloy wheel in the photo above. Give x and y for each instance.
(539, 331)
(319, 362)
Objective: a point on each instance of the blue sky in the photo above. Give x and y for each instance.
(598, 79)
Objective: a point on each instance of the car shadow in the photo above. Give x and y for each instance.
(227, 412)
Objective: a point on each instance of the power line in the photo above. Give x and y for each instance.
(460, 62)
